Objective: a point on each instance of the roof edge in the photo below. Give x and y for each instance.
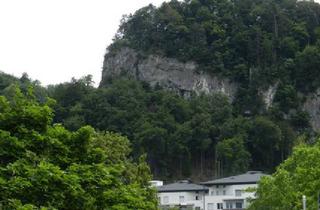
(228, 183)
(205, 190)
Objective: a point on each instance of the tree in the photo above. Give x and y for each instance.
(297, 176)
(264, 141)
(234, 155)
(307, 69)
(48, 167)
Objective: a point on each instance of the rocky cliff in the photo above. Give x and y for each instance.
(168, 73)
(312, 107)
(185, 78)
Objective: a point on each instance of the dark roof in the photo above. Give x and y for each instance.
(251, 177)
(181, 186)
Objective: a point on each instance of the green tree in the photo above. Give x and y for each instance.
(264, 139)
(234, 155)
(307, 69)
(297, 176)
(48, 167)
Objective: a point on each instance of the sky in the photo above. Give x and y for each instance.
(55, 40)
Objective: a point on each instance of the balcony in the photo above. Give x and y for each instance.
(235, 209)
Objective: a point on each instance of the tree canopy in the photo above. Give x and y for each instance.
(297, 176)
(182, 137)
(223, 35)
(45, 166)
(257, 44)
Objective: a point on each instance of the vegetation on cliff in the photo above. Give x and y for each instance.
(256, 43)
(199, 137)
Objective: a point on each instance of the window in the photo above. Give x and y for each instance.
(159, 199)
(238, 205)
(217, 192)
(224, 192)
(181, 199)
(165, 199)
(229, 205)
(198, 197)
(238, 192)
(210, 206)
(219, 205)
(212, 192)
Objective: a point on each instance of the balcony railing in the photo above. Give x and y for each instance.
(234, 209)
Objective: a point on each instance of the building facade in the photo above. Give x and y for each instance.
(182, 195)
(229, 193)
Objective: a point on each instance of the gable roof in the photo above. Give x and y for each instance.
(251, 177)
(181, 186)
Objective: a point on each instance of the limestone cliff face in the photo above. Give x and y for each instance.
(168, 73)
(185, 78)
(312, 107)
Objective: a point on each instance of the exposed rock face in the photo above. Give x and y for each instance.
(169, 73)
(312, 107)
(184, 78)
(268, 95)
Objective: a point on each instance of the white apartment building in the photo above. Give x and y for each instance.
(182, 194)
(231, 192)
(228, 193)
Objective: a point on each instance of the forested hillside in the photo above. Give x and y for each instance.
(254, 43)
(257, 45)
(197, 137)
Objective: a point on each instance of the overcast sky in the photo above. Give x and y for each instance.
(55, 40)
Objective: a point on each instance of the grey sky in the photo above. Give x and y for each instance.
(54, 40)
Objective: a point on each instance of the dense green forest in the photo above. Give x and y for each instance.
(256, 43)
(200, 137)
(252, 42)
(196, 137)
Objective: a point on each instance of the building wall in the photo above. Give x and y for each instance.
(217, 194)
(227, 193)
(194, 199)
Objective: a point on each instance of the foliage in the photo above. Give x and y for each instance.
(297, 176)
(172, 131)
(256, 43)
(24, 82)
(181, 137)
(48, 167)
(234, 155)
(225, 36)
(264, 142)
